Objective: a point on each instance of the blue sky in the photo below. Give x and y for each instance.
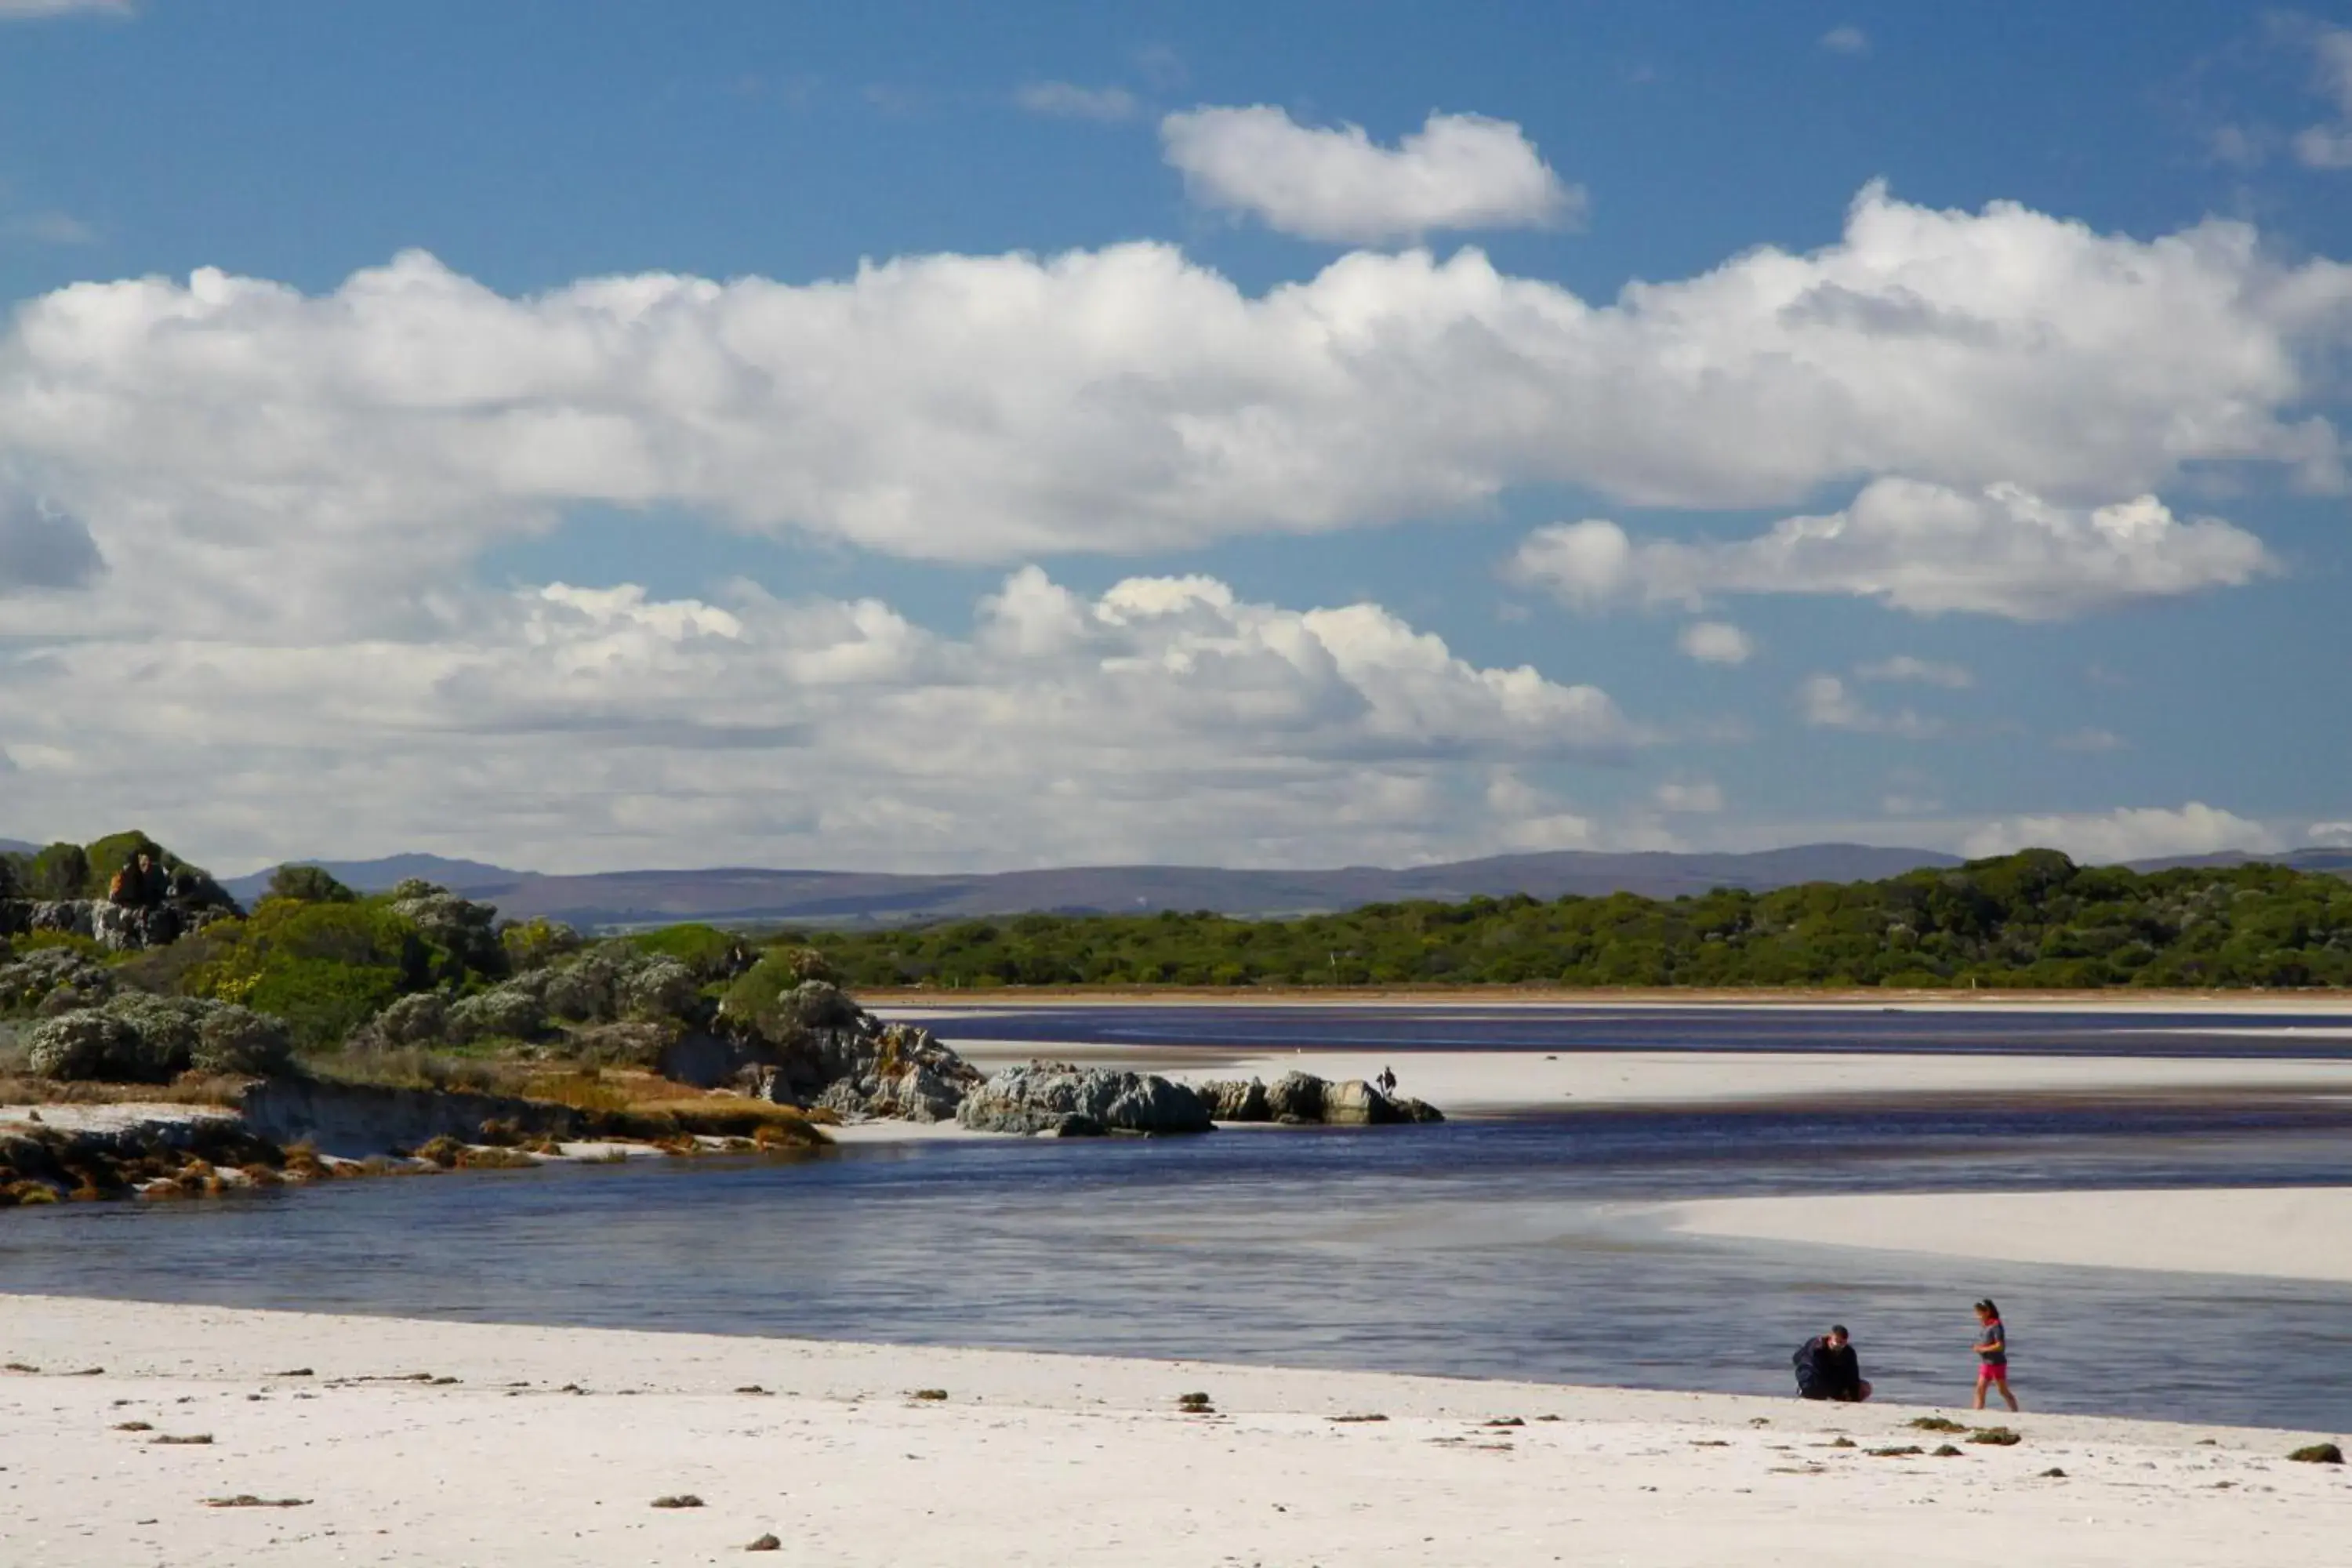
(922, 435)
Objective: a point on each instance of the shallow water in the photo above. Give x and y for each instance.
(1507, 1248)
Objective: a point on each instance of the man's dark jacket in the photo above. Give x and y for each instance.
(1827, 1372)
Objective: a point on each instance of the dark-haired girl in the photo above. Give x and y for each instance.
(1993, 1353)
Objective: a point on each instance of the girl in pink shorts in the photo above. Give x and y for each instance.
(1993, 1353)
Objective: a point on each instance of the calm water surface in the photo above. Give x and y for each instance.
(1509, 1248)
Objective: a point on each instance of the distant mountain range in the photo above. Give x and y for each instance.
(743, 895)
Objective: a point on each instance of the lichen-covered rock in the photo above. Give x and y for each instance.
(878, 1070)
(1232, 1099)
(122, 928)
(1059, 1099)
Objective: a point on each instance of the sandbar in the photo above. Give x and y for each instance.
(2284, 1233)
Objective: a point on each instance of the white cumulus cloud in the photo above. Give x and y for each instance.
(1457, 172)
(367, 443)
(1697, 798)
(1716, 642)
(1929, 672)
(1067, 101)
(2142, 832)
(578, 727)
(1826, 702)
(1927, 548)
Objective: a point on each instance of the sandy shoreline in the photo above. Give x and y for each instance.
(1029, 1459)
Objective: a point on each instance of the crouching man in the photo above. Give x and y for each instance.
(1827, 1368)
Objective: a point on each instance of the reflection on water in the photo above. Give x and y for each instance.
(1508, 1248)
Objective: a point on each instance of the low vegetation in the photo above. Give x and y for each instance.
(2030, 920)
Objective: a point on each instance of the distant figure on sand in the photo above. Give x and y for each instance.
(1993, 1353)
(1827, 1368)
(1386, 1081)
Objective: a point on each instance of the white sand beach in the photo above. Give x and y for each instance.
(2287, 1232)
(550, 1446)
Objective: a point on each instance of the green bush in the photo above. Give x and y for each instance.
(536, 944)
(58, 871)
(308, 885)
(713, 954)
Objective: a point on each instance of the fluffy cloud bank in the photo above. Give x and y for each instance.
(367, 443)
(2127, 834)
(585, 727)
(1457, 172)
(1925, 548)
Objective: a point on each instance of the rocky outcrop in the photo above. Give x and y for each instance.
(1233, 1099)
(118, 927)
(1061, 1101)
(1301, 1099)
(813, 1046)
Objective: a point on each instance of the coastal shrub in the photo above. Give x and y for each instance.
(2318, 1454)
(64, 971)
(418, 1019)
(711, 953)
(2033, 919)
(57, 871)
(505, 1012)
(461, 935)
(137, 1038)
(536, 944)
(321, 1000)
(82, 1045)
(308, 885)
(659, 988)
(325, 968)
(238, 1042)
